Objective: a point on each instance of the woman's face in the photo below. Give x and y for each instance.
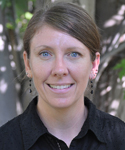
(60, 66)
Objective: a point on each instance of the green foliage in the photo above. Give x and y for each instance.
(28, 15)
(23, 15)
(121, 66)
(17, 14)
(21, 7)
(5, 3)
(9, 26)
(23, 20)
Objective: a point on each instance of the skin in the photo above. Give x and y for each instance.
(58, 59)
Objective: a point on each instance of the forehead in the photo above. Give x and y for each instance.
(48, 35)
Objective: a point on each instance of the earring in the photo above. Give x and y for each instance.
(91, 87)
(96, 72)
(30, 85)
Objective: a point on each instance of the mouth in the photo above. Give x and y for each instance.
(60, 87)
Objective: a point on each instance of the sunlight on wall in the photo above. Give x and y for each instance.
(104, 48)
(115, 43)
(1, 44)
(122, 10)
(118, 80)
(116, 19)
(105, 64)
(18, 86)
(122, 38)
(18, 108)
(3, 69)
(1, 28)
(83, 6)
(116, 38)
(19, 46)
(9, 48)
(123, 80)
(106, 41)
(106, 90)
(3, 86)
(123, 85)
(114, 105)
(13, 65)
(109, 23)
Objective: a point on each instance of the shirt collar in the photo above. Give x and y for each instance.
(31, 122)
(31, 125)
(93, 121)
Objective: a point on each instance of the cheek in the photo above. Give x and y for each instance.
(39, 78)
(82, 70)
(40, 71)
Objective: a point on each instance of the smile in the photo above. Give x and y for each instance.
(60, 86)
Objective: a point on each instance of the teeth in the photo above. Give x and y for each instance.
(59, 87)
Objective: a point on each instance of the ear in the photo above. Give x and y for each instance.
(95, 66)
(27, 64)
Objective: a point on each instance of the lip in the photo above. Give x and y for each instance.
(65, 90)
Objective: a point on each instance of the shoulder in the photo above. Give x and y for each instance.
(110, 121)
(102, 119)
(10, 125)
(113, 129)
(109, 129)
(10, 134)
(14, 133)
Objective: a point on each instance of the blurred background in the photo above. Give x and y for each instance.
(109, 86)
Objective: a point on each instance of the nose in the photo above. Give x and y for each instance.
(59, 68)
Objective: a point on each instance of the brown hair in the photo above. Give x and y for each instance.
(69, 18)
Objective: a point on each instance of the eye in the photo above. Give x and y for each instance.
(45, 54)
(75, 54)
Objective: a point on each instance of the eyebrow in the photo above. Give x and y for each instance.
(45, 46)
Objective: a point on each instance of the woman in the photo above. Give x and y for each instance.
(61, 55)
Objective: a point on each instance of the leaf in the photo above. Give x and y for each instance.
(28, 15)
(121, 73)
(120, 66)
(9, 26)
(117, 66)
(123, 61)
(5, 3)
(21, 7)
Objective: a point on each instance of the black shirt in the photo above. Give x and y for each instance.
(100, 131)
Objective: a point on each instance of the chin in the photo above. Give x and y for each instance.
(62, 103)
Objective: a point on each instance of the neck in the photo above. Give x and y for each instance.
(64, 123)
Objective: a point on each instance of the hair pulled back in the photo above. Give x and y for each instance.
(69, 18)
